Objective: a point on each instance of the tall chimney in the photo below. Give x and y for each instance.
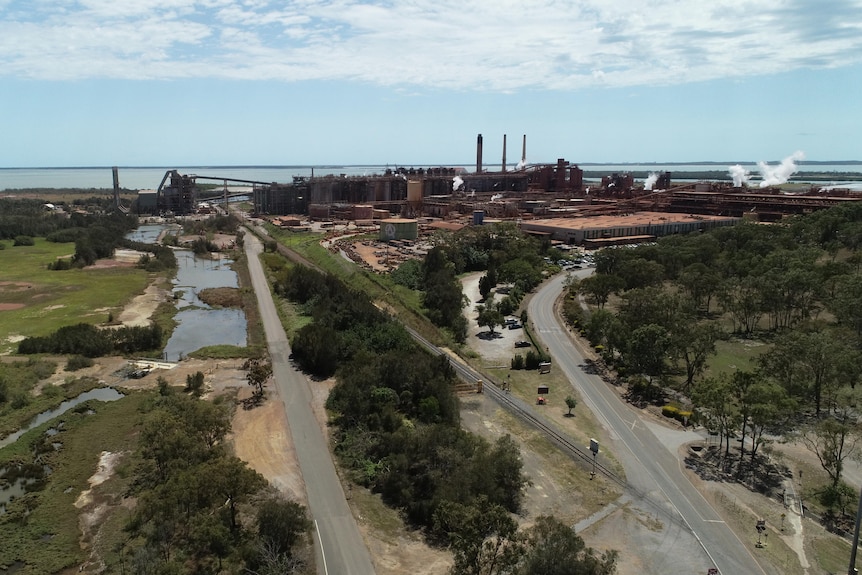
(479, 154)
(524, 153)
(504, 152)
(116, 187)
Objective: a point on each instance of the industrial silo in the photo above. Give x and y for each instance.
(398, 229)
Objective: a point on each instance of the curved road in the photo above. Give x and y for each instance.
(338, 542)
(651, 467)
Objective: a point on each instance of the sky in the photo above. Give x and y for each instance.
(413, 82)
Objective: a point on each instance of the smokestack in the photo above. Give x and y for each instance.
(504, 152)
(479, 154)
(115, 170)
(524, 152)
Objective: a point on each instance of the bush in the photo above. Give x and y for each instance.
(670, 411)
(60, 264)
(77, 362)
(518, 361)
(24, 241)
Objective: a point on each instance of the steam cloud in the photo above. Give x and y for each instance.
(457, 183)
(496, 197)
(739, 174)
(650, 181)
(771, 176)
(782, 172)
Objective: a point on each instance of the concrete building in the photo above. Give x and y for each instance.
(598, 231)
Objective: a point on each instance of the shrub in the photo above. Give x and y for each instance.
(24, 241)
(77, 362)
(670, 411)
(518, 361)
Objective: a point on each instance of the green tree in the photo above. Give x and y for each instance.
(489, 315)
(599, 287)
(195, 383)
(694, 342)
(258, 371)
(282, 523)
(571, 403)
(552, 548)
(836, 437)
(482, 536)
(714, 400)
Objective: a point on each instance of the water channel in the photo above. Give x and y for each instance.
(198, 324)
(19, 483)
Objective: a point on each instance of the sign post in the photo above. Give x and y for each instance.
(594, 447)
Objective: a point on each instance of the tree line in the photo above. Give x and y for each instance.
(89, 341)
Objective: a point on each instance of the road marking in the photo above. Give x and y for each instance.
(322, 551)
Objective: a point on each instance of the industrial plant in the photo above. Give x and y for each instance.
(550, 200)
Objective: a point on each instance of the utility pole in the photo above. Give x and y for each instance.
(852, 569)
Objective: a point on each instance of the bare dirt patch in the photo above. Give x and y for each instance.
(138, 312)
(261, 437)
(10, 306)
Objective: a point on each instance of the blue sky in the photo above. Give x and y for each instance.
(258, 82)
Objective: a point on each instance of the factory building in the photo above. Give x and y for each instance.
(604, 230)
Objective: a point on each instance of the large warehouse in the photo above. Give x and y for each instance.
(597, 231)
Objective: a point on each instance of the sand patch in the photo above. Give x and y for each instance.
(10, 306)
(138, 312)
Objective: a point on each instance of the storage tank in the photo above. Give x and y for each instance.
(478, 217)
(363, 212)
(414, 191)
(398, 229)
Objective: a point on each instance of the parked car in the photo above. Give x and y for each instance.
(523, 343)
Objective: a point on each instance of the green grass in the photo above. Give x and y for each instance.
(55, 298)
(832, 554)
(734, 355)
(48, 538)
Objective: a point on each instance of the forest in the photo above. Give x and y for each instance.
(660, 310)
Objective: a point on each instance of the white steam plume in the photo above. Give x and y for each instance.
(780, 173)
(739, 174)
(457, 183)
(521, 165)
(496, 197)
(650, 181)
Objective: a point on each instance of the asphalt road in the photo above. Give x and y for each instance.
(338, 542)
(651, 468)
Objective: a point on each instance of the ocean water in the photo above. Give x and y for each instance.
(149, 178)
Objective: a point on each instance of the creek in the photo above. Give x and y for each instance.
(15, 481)
(198, 324)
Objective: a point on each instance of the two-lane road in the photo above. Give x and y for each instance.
(650, 466)
(339, 544)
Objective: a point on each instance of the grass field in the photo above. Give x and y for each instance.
(51, 299)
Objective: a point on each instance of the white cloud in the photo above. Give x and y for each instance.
(481, 44)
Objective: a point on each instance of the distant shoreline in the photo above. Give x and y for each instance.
(394, 166)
